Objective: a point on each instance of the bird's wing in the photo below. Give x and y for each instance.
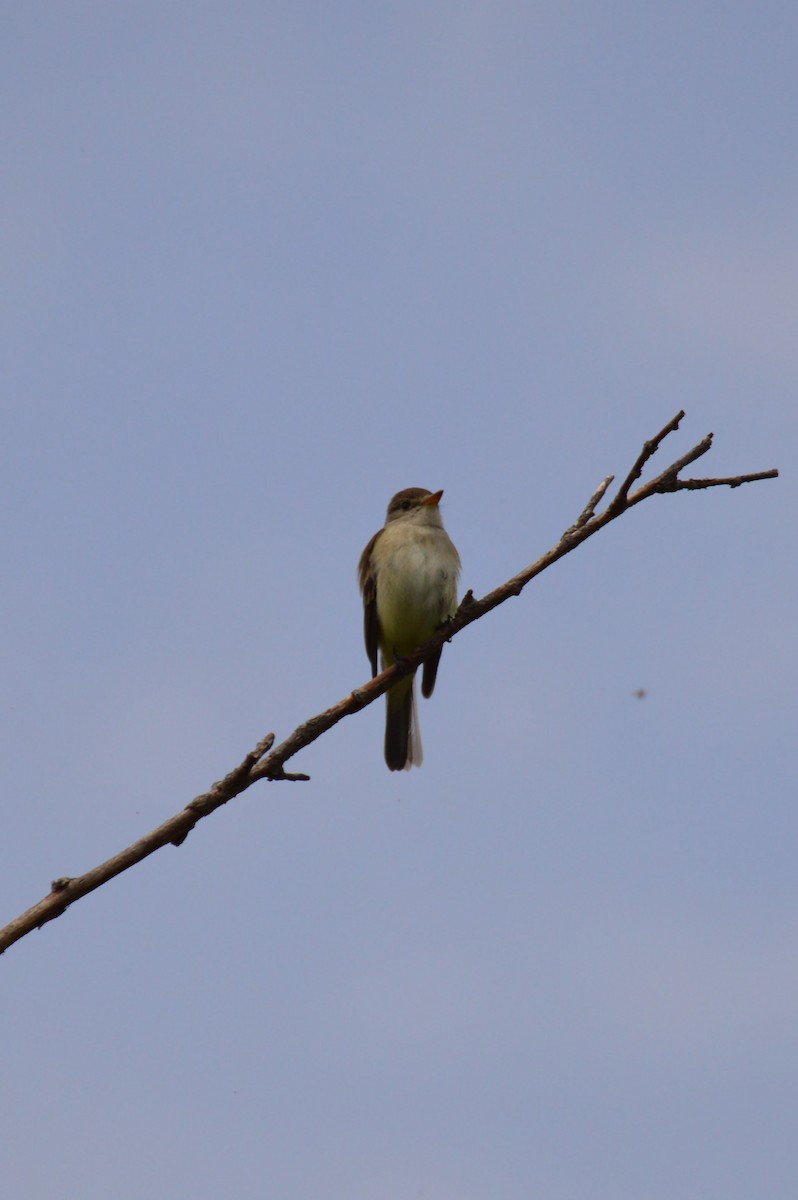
(368, 586)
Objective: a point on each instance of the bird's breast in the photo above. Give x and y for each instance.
(416, 588)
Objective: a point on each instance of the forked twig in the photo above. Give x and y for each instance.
(650, 448)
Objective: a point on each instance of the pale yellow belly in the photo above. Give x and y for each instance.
(415, 594)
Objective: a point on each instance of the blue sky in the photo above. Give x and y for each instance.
(264, 265)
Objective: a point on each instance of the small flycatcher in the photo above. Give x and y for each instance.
(408, 576)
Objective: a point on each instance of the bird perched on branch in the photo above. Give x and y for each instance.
(408, 576)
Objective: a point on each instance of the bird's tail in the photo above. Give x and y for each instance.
(402, 735)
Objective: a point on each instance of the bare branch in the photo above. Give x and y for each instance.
(694, 485)
(65, 890)
(589, 510)
(267, 761)
(650, 448)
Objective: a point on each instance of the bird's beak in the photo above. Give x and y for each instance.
(433, 500)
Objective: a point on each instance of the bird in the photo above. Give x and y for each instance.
(408, 577)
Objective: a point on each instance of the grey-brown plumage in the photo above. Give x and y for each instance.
(408, 576)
